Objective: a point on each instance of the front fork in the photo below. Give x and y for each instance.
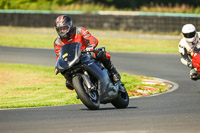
(89, 85)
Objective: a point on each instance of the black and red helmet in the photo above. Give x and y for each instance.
(64, 26)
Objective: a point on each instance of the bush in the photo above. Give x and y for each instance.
(94, 5)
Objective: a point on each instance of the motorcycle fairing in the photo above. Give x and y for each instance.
(107, 90)
(70, 54)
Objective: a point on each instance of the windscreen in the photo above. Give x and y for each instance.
(70, 54)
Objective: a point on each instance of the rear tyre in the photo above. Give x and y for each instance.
(122, 99)
(90, 99)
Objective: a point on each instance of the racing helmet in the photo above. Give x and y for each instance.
(64, 26)
(189, 32)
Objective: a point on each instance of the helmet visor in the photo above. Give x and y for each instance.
(189, 35)
(62, 31)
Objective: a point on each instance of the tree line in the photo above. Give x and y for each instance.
(119, 4)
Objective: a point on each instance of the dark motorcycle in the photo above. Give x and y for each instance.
(91, 81)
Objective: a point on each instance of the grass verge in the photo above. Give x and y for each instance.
(34, 86)
(119, 41)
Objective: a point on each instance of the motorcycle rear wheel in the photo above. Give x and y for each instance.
(91, 100)
(122, 99)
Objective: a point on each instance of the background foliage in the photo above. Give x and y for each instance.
(118, 4)
(134, 4)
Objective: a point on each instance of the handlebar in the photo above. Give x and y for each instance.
(93, 50)
(84, 51)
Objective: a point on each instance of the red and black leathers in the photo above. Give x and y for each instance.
(80, 35)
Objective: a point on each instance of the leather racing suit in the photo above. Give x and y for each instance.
(185, 49)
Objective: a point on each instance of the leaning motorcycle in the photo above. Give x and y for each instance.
(196, 62)
(92, 82)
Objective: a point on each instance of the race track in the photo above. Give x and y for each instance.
(174, 112)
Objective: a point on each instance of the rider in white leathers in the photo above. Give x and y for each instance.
(186, 45)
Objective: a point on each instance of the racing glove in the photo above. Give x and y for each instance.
(89, 48)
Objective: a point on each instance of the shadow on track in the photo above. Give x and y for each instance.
(101, 109)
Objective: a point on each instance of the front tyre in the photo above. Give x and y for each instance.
(122, 99)
(89, 99)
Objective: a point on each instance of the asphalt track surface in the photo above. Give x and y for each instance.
(173, 112)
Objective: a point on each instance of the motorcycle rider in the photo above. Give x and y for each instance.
(187, 44)
(68, 33)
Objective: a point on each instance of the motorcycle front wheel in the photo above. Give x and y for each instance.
(89, 98)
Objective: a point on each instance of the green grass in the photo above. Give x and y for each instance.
(121, 41)
(30, 86)
(140, 45)
(33, 86)
(27, 37)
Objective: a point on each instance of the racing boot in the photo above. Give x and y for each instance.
(68, 85)
(110, 67)
(115, 74)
